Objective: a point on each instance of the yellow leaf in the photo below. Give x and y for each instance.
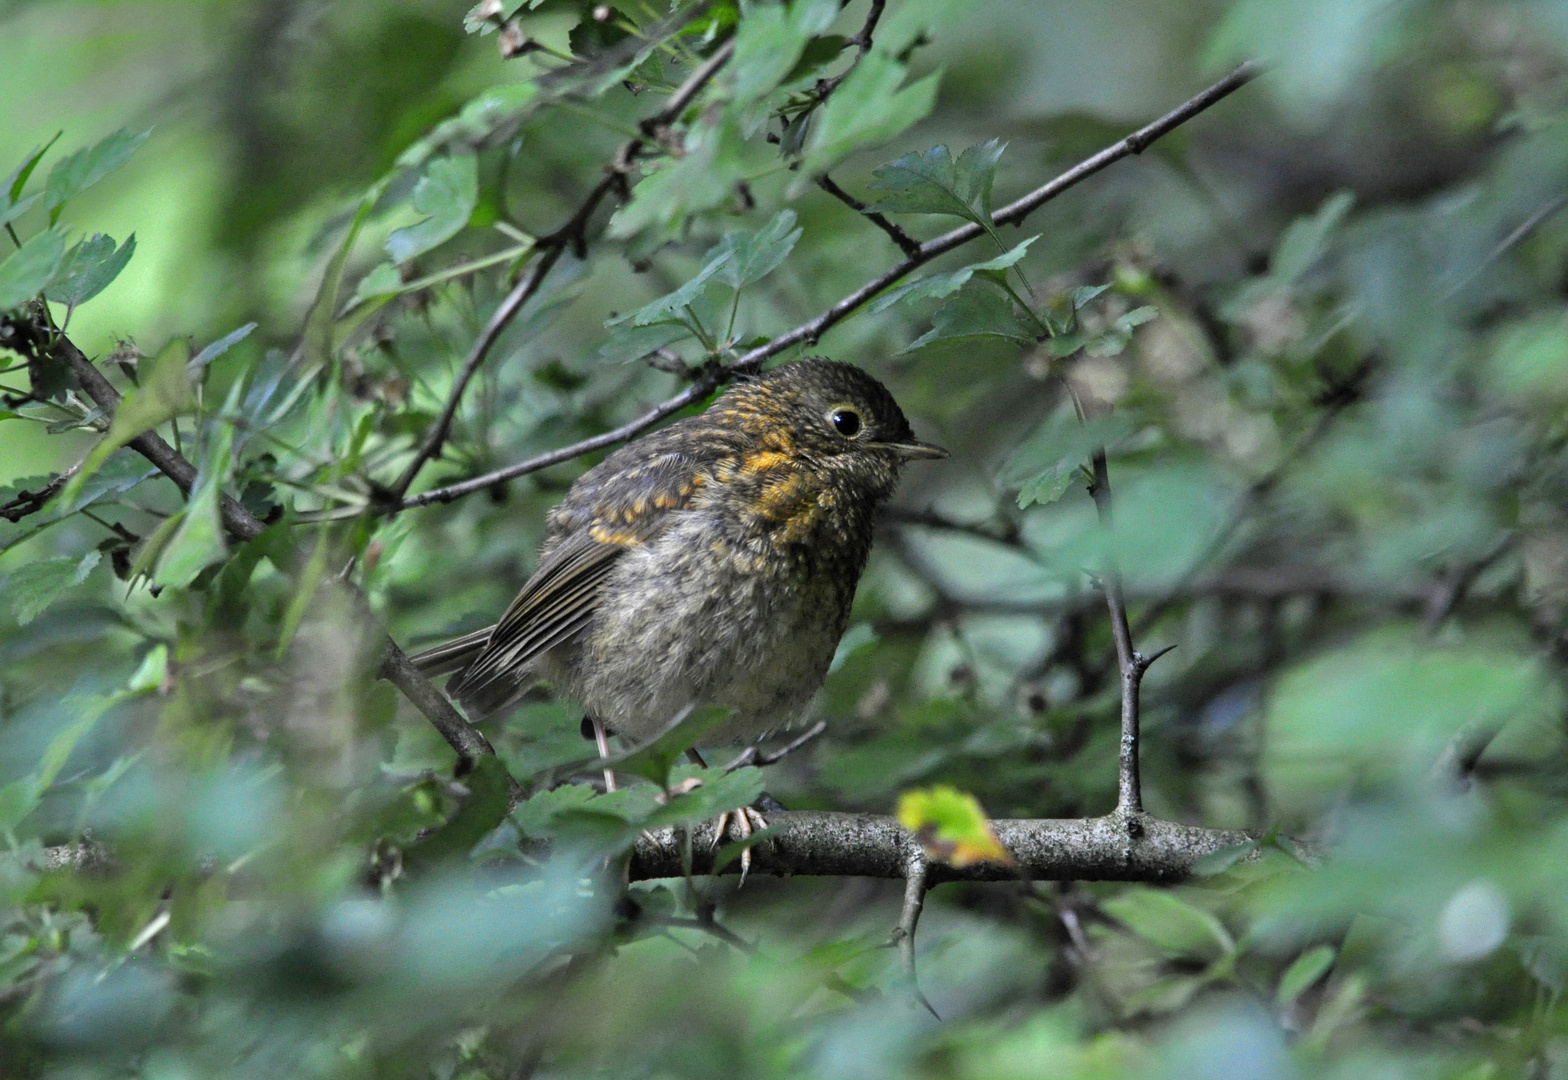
(950, 826)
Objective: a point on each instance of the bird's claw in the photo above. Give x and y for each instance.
(747, 821)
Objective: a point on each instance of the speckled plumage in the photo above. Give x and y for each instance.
(711, 562)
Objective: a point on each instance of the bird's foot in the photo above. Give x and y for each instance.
(745, 822)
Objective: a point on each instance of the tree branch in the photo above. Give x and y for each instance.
(552, 246)
(825, 844)
(1011, 214)
(810, 331)
(906, 243)
(698, 390)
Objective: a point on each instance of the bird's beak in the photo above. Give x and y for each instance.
(912, 450)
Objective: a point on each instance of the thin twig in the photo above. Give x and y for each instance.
(906, 243)
(909, 918)
(810, 331)
(753, 756)
(500, 319)
(30, 502)
(693, 393)
(1012, 213)
(1129, 794)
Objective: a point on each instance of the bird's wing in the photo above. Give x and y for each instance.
(608, 512)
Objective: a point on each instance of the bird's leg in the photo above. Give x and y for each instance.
(747, 821)
(601, 739)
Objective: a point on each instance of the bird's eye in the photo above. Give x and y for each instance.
(846, 422)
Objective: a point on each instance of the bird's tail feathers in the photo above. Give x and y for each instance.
(454, 655)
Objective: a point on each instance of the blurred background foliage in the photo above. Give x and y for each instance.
(1335, 342)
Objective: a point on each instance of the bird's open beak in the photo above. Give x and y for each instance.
(911, 450)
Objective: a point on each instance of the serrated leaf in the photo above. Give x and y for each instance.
(33, 586)
(671, 305)
(222, 345)
(89, 268)
(628, 342)
(447, 195)
(1043, 466)
(75, 174)
(770, 41)
(933, 183)
(744, 258)
(950, 826)
(937, 286)
(976, 311)
(1170, 924)
(1303, 972)
(27, 271)
(166, 392)
(867, 109)
(17, 181)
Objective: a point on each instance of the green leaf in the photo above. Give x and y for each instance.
(628, 342)
(152, 671)
(744, 258)
(1043, 466)
(867, 109)
(769, 43)
(222, 345)
(198, 542)
(447, 194)
(17, 181)
(1305, 241)
(320, 321)
(1217, 862)
(304, 591)
(1170, 924)
(383, 280)
(717, 157)
(74, 174)
(937, 286)
(671, 305)
(950, 826)
(718, 793)
(977, 311)
(933, 183)
(489, 790)
(859, 636)
(16, 210)
(1305, 970)
(34, 586)
(88, 268)
(654, 759)
(27, 271)
(166, 392)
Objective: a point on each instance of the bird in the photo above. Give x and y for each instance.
(711, 562)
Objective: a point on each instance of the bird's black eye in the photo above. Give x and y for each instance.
(846, 422)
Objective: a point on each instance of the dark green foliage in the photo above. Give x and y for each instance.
(1320, 331)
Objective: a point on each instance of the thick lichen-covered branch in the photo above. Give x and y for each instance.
(814, 843)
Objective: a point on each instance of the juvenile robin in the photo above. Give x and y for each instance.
(709, 563)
